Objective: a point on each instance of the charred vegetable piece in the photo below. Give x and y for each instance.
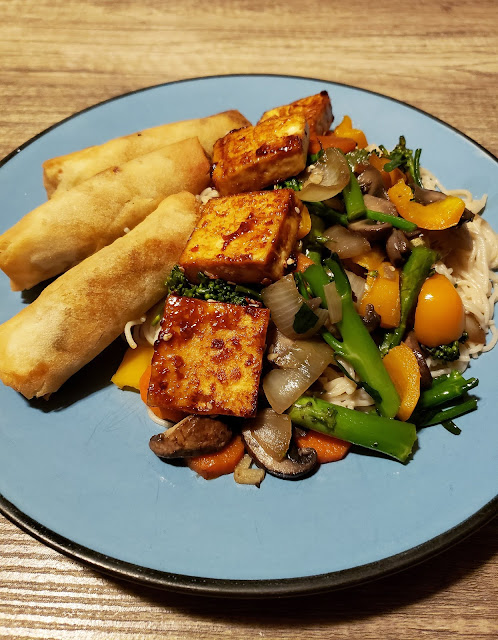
(413, 276)
(193, 436)
(392, 437)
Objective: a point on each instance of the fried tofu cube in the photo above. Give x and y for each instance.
(316, 109)
(244, 238)
(208, 357)
(253, 158)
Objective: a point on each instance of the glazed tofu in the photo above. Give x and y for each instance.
(244, 238)
(208, 357)
(253, 158)
(316, 109)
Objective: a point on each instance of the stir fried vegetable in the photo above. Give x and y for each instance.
(355, 300)
(209, 288)
(356, 346)
(392, 437)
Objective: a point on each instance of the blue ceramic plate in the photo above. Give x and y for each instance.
(77, 471)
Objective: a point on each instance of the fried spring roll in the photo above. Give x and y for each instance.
(72, 226)
(64, 172)
(85, 309)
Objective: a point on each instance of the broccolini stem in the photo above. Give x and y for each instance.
(252, 293)
(450, 413)
(395, 221)
(414, 273)
(357, 346)
(392, 437)
(446, 388)
(353, 199)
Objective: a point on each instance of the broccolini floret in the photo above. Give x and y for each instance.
(403, 158)
(447, 352)
(209, 288)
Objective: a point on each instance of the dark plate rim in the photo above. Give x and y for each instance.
(213, 587)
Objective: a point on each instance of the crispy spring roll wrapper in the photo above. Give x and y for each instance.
(64, 172)
(72, 226)
(84, 310)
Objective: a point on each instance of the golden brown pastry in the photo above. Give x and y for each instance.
(85, 309)
(64, 172)
(75, 224)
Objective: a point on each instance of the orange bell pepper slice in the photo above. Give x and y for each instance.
(434, 217)
(331, 141)
(389, 178)
(345, 130)
(403, 369)
(384, 294)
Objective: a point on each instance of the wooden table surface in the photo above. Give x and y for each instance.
(59, 57)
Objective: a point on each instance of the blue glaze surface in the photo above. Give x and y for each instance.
(80, 464)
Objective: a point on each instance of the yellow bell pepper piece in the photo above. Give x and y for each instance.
(383, 293)
(402, 367)
(434, 217)
(371, 259)
(345, 130)
(134, 363)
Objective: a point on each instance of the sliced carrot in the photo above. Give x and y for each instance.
(220, 463)
(345, 130)
(165, 414)
(388, 177)
(403, 369)
(384, 294)
(328, 448)
(305, 224)
(303, 262)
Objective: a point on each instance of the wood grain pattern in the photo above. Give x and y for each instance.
(58, 58)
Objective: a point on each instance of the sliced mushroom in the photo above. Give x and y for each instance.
(302, 463)
(371, 182)
(428, 196)
(371, 319)
(192, 436)
(425, 374)
(397, 247)
(370, 230)
(380, 204)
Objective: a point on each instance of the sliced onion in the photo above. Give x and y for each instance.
(284, 301)
(273, 431)
(357, 284)
(326, 178)
(346, 243)
(334, 302)
(304, 366)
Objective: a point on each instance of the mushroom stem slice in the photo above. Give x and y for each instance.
(303, 462)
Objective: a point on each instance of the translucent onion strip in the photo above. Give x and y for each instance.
(284, 301)
(326, 178)
(284, 386)
(334, 302)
